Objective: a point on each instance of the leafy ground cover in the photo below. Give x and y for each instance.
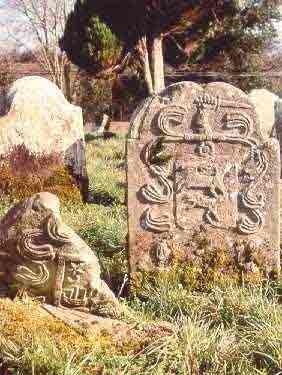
(227, 329)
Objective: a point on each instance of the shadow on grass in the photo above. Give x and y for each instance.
(104, 198)
(90, 137)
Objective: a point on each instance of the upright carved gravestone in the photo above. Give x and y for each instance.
(197, 161)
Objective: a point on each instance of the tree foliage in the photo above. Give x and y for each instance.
(232, 40)
(99, 48)
(227, 35)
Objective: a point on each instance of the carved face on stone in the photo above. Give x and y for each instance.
(47, 258)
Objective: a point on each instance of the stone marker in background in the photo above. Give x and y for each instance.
(264, 103)
(269, 109)
(118, 127)
(43, 256)
(37, 116)
(198, 162)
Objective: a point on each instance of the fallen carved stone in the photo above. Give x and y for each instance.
(41, 255)
(198, 161)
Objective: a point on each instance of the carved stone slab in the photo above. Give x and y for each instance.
(197, 160)
(121, 332)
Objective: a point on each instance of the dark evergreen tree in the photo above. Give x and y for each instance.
(102, 36)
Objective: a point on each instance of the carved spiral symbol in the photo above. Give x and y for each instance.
(28, 248)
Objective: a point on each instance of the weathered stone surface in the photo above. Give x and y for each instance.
(91, 324)
(269, 109)
(197, 161)
(45, 257)
(37, 115)
(121, 332)
(277, 129)
(264, 102)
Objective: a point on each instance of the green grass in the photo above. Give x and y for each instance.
(226, 330)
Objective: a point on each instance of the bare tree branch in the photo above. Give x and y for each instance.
(45, 21)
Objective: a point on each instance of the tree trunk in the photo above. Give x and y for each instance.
(67, 81)
(158, 64)
(143, 53)
(147, 73)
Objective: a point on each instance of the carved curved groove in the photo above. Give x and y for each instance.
(28, 249)
(31, 278)
(156, 194)
(176, 114)
(156, 224)
(153, 193)
(158, 170)
(262, 163)
(252, 202)
(239, 121)
(154, 169)
(53, 226)
(147, 153)
(254, 205)
(212, 218)
(139, 116)
(249, 226)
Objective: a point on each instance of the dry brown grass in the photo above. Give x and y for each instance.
(24, 321)
(24, 173)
